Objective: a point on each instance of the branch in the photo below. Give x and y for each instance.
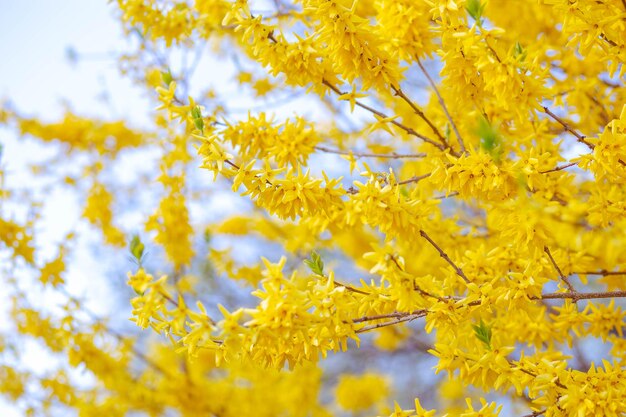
(581, 138)
(536, 413)
(382, 115)
(443, 104)
(570, 287)
(398, 92)
(350, 288)
(603, 273)
(408, 317)
(417, 178)
(400, 317)
(559, 168)
(580, 295)
(445, 256)
(371, 155)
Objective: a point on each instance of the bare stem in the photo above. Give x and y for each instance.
(371, 155)
(409, 317)
(398, 91)
(380, 114)
(443, 105)
(445, 256)
(569, 285)
(559, 168)
(417, 178)
(536, 413)
(603, 273)
(581, 138)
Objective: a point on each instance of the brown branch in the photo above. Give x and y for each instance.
(382, 115)
(493, 51)
(417, 178)
(409, 317)
(370, 155)
(559, 168)
(441, 197)
(569, 285)
(443, 104)
(536, 413)
(232, 164)
(580, 295)
(581, 138)
(546, 296)
(350, 288)
(398, 92)
(445, 256)
(603, 273)
(395, 314)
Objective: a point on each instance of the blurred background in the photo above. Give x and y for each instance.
(64, 55)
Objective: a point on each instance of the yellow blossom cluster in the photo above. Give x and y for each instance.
(421, 209)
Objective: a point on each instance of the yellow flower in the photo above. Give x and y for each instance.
(361, 392)
(351, 97)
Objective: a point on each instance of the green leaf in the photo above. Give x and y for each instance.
(475, 8)
(483, 333)
(490, 141)
(167, 77)
(519, 52)
(196, 114)
(315, 264)
(137, 248)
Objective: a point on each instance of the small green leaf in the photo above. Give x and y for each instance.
(315, 264)
(167, 77)
(475, 8)
(519, 52)
(137, 248)
(490, 141)
(483, 333)
(199, 123)
(196, 114)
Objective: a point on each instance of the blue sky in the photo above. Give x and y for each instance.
(35, 36)
(38, 80)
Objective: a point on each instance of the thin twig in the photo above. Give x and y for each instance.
(581, 138)
(400, 317)
(350, 288)
(417, 178)
(559, 168)
(395, 314)
(536, 413)
(580, 295)
(409, 317)
(570, 287)
(603, 273)
(445, 256)
(398, 92)
(232, 164)
(441, 197)
(370, 155)
(443, 104)
(382, 115)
